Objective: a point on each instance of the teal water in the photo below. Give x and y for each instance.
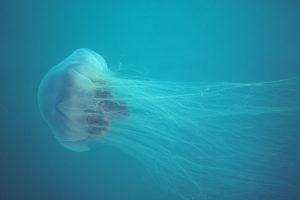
(212, 41)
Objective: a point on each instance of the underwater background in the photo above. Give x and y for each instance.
(214, 41)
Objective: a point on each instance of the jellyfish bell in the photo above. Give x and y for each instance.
(76, 102)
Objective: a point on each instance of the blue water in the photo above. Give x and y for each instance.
(230, 41)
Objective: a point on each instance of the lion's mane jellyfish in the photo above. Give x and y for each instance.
(203, 140)
(76, 101)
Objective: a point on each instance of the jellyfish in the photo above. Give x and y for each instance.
(199, 137)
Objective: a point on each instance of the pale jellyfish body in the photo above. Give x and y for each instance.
(206, 136)
(71, 100)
